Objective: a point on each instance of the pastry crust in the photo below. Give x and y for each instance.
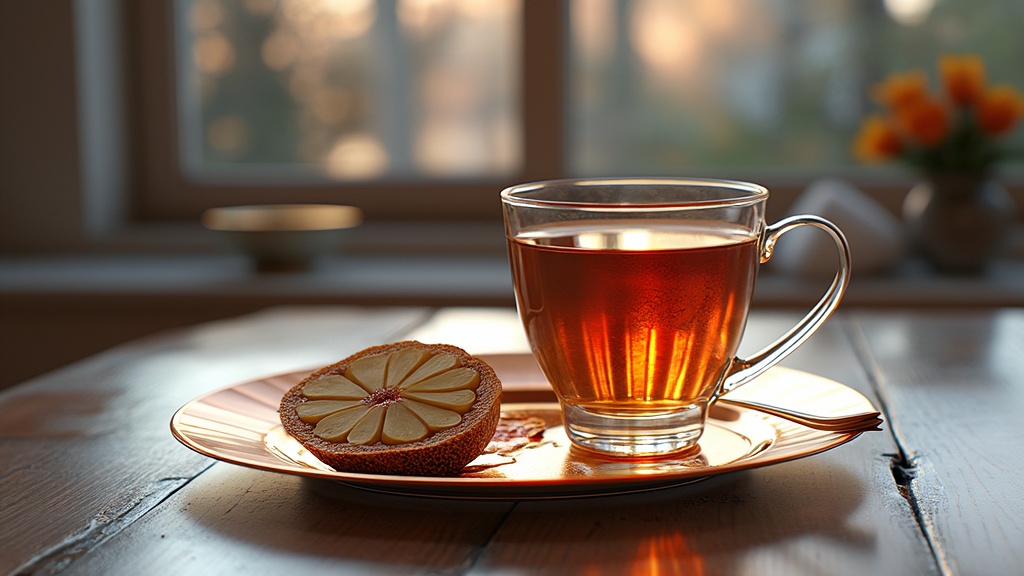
(444, 453)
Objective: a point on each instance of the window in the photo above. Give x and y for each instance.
(426, 108)
(410, 109)
(350, 90)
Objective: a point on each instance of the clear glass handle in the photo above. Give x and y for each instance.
(743, 370)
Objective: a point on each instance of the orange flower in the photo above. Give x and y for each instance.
(901, 90)
(999, 109)
(963, 77)
(925, 121)
(951, 131)
(877, 141)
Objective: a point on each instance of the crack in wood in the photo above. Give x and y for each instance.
(903, 465)
(904, 470)
(103, 526)
(474, 559)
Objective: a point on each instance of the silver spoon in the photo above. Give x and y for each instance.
(863, 422)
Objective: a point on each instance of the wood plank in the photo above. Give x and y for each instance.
(87, 450)
(953, 384)
(834, 513)
(233, 520)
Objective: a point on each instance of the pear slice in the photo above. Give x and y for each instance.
(368, 371)
(334, 387)
(402, 426)
(456, 400)
(336, 427)
(435, 418)
(455, 379)
(367, 430)
(404, 362)
(435, 365)
(316, 410)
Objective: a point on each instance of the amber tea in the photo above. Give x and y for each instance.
(634, 317)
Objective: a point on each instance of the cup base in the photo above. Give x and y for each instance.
(630, 435)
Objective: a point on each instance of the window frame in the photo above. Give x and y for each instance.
(163, 192)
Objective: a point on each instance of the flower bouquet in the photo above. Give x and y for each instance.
(960, 130)
(954, 137)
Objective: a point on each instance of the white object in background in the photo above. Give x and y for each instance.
(877, 238)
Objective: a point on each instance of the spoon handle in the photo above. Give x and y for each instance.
(849, 423)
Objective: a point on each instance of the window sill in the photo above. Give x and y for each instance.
(434, 280)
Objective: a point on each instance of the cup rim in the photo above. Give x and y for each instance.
(747, 193)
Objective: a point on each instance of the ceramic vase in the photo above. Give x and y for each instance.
(958, 223)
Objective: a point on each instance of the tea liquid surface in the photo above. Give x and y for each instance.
(634, 317)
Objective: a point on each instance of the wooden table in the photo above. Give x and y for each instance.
(92, 482)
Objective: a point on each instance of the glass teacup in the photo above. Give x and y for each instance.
(634, 295)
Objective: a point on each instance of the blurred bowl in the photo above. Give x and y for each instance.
(283, 237)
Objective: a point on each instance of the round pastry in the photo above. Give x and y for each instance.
(405, 408)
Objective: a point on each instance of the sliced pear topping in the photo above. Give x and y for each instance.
(333, 387)
(457, 400)
(395, 398)
(402, 426)
(455, 379)
(435, 365)
(367, 430)
(369, 371)
(336, 427)
(403, 362)
(435, 418)
(315, 410)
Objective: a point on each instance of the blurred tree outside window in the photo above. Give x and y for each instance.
(350, 89)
